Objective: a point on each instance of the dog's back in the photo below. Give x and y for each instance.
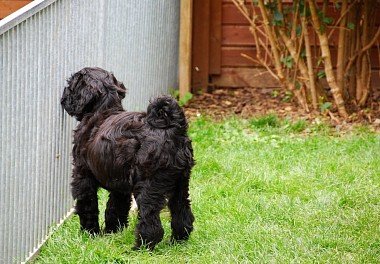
(112, 152)
(128, 146)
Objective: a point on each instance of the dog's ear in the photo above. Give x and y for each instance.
(119, 86)
(92, 89)
(81, 94)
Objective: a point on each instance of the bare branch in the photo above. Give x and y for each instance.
(364, 49)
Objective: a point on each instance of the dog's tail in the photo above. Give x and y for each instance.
(164, 112)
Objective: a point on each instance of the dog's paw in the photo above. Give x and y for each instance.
(114, 228)
(181, 236)
(91, 230)
(136, 248)
(110, 230)
(149, 247)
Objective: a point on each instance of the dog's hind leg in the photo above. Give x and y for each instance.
(116, 216)
(179, 206)
(150, 202)
(84, 190)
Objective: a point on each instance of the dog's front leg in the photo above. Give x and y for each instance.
(84, 190)
(150, 202)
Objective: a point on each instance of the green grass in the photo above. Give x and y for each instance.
(263, 191)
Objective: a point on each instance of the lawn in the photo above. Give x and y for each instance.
(263, 191)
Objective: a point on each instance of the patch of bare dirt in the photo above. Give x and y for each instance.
(253, 102)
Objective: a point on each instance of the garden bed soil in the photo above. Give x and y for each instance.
(254, 102)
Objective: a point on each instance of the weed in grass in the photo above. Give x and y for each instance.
(297, 127)
(260, 195)
(270, 120)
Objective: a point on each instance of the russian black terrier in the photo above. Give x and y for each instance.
(147, 154)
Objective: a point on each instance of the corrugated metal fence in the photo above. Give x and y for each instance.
(40, 46)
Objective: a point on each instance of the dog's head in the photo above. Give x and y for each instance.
(90, 90)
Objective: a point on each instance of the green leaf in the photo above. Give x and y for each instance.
(275, 93)
(321, 74)
(271, 6)
(303, 53)
(287, 61)
(278, 18)
(298, 85)
(351, 25)
(320, 60)
(326, 106)
(327, 20)
(298, 30)
(288, 96)
(185, 99)
(174, 93)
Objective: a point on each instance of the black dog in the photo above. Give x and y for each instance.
(145, 154)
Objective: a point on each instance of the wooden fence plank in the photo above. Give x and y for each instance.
(241, 36)
(258, 77)
(231, 57)
(232, 16)
(185, 47)
(200, 45)
(215, 36)
(245, 77)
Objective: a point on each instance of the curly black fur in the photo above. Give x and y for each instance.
(145, 154)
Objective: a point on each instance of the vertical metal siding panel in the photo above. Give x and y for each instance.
(58, 159)
(45, 116)
(64, 124)
(5, 144)
(46, 140)
(16, 147)
(12, 135)
(28, 177)
(21, 147)
(9, 153)
(32, 102)
(44, 119)
(69, 68)
(26, 142)
(2, 179)
(23, 142)
(29, 132)
(51, 119)
(8, 221)
(3, 169)
(39, 133)
(54, 110)
(59, 131)
(137, 40)
(2, 152)
(150, 48)
(80, 20)
(52, 73)
(5, 139)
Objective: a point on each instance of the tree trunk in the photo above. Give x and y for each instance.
(327, 60)
(309, 61)
(341, 47)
